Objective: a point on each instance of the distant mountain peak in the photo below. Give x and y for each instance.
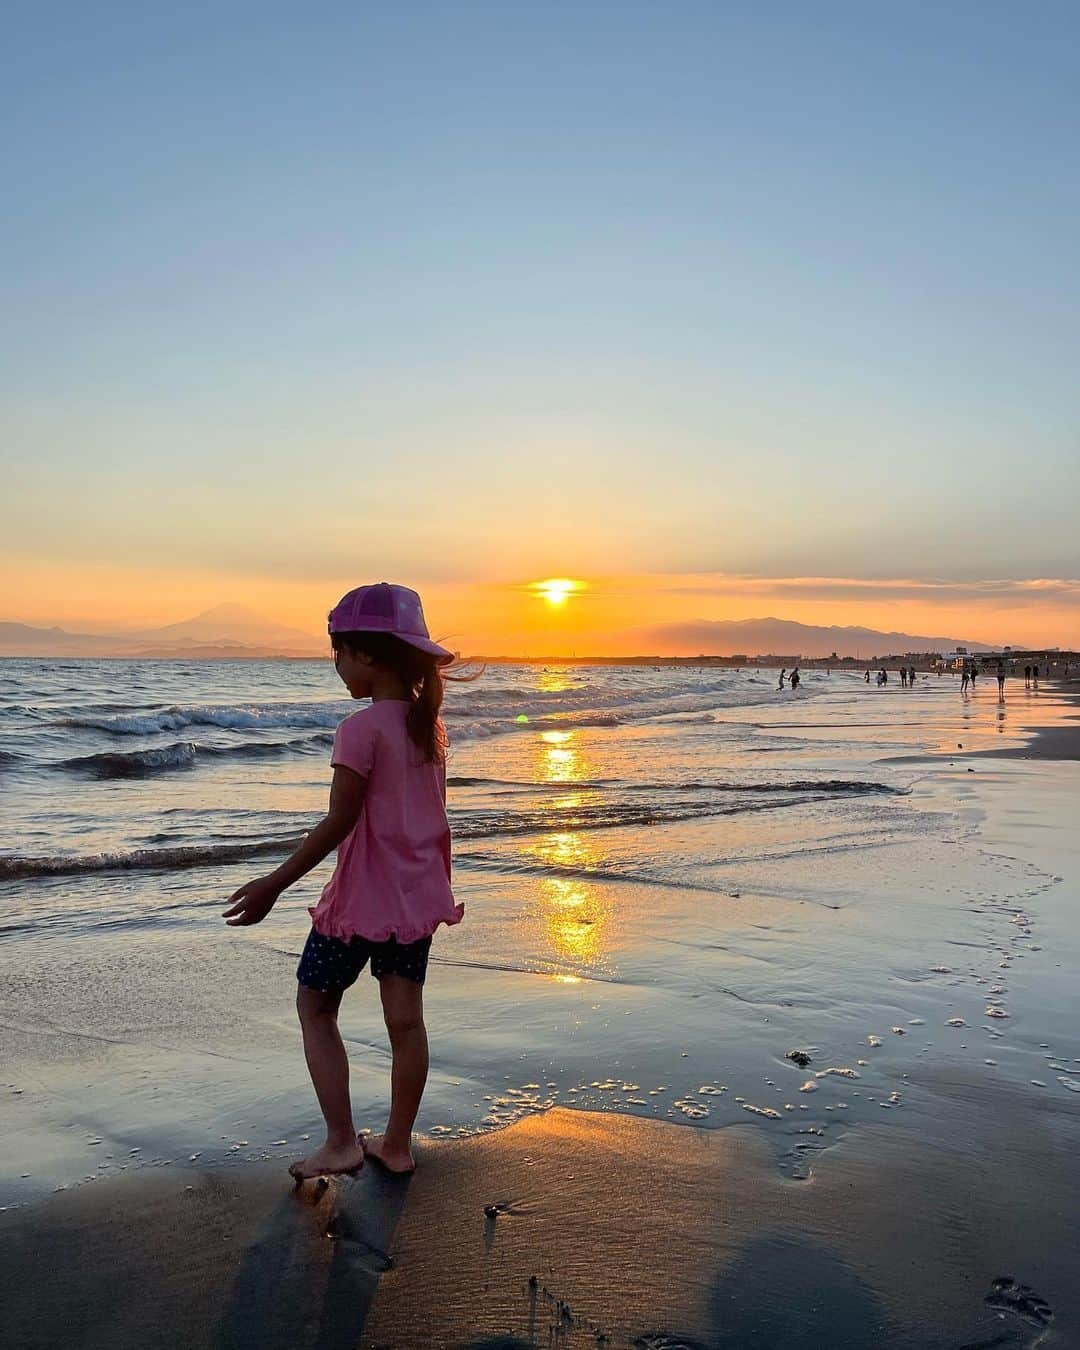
(788, 637)
(229, 609)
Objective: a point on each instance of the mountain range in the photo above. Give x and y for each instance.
(235, 631)
(728, 637)
(224, 631)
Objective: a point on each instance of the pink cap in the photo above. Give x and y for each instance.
(385, 608)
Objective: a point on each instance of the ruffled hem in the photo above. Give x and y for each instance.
(345, 932)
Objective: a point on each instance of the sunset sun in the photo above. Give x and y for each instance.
(556, 590)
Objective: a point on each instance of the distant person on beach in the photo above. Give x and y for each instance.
(795, 678)
(964, 679)
(783, 677)
(867, 677)
(1001, 681)
(1027, 675)
(903, 677)
(1035, 675)
(391, 887)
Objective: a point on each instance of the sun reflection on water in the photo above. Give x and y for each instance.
(556, 682)
(559, 758)
(574, 914)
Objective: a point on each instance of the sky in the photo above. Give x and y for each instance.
(725, 310)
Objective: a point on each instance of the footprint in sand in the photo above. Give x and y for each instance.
(1012, 1296)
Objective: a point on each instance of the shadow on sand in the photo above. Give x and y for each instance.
(310, 1278)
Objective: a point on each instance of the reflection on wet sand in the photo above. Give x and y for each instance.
(573, 914)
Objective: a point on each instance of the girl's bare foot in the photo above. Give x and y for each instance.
(330, 1160)
(397, 1160)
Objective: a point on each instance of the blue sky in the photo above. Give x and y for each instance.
(466, 291)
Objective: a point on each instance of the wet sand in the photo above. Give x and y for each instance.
(577, 1229)
(932, 1203)
(1060, 741)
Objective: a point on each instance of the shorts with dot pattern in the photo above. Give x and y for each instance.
(329, 964)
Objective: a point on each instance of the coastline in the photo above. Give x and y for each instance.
(948, 1225)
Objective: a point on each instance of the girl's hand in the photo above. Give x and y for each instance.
(252, 902)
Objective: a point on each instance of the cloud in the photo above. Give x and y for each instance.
(1001, 594)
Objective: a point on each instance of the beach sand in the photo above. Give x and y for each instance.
(577, 1229)
(932, 1203)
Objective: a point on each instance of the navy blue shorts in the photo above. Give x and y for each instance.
(329, 964)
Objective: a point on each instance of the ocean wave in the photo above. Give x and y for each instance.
(692, 707)
(565, 820)
(604, 816)
(228, 716)
(144, 859)
(837, 786)
(303, 745)
(134, 763)
(601, 871)
(185, 755)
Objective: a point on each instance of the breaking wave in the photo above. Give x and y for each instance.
(185, 754)
(227, 716)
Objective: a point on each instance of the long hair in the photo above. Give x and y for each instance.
(420, 675)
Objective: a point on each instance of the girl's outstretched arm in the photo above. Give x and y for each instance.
(254, 900)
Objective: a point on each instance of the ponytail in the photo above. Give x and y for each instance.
(422, 721)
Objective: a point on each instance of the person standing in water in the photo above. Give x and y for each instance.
(866, 677)
(390, 889)
(1001, 681)
(964, 678)
(795, 678)
(783, 677)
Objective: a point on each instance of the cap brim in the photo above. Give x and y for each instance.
(441, 654)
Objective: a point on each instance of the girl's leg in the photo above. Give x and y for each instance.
(403, 1009)
(328, 1065)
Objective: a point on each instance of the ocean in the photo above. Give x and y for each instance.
(112, 765)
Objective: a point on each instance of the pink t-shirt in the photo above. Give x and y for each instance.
(392, 877)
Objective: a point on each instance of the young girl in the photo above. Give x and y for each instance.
(391, 887)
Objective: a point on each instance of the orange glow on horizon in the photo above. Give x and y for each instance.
(624, 615)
